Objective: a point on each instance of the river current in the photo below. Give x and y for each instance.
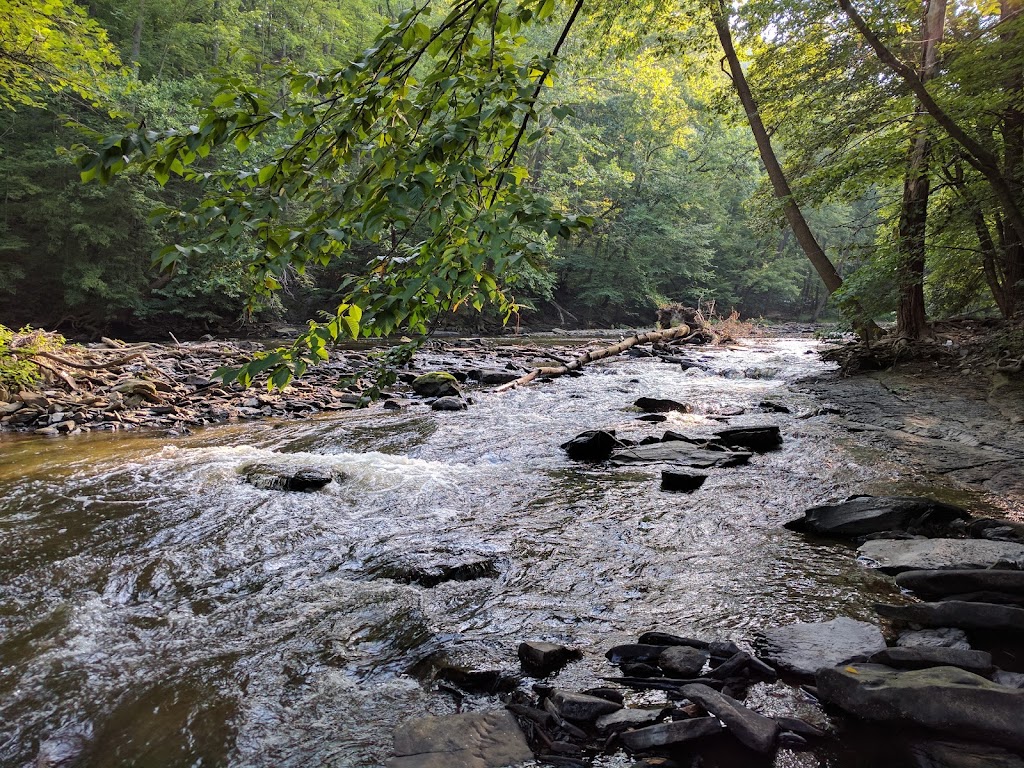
(156, 610)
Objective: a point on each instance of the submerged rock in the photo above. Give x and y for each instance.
(679, 452)
(476, 740)
(282, 478)
(942, 698)
(428, 568)
(939, 554)
(872, 514)
(802, 649)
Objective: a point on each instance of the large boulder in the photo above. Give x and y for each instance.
(938, 584)
(678, 452)
(475, 740)
(896, 556)
(956, 613)
(436, 384)
(683, 662)
(941, 698)
(802, 649)
(872, 514)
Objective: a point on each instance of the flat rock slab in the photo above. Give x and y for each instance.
(476, 740)
(954, 613)
(941, 637)
(751, 728)
(670, 734)
(581, 708)
(978, 662)
(943, 698)
(756, 439)
(873, 514)
(896, 556)
(803, 649)
(681, 453)
(933, 584)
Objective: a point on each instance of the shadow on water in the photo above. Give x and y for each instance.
(155, 609)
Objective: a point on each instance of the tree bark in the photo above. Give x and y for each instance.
(1013, 165)
(136, 51)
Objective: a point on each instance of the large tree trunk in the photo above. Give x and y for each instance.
(780, 186)
(136, 51)
(911, 321)
(1013, 165)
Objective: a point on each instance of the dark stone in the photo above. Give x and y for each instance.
(796, 725)
(722, 650)
(872, 514)
(1002, 598)
(943, 637)
(978, 662)
(941, 698)
(580, 708)
(955, 754)
(756, 439)
(271, 478)
(664, 638)
(653, 418)
(448, 404)
(682, 661)
(675, 480)
(670, 734)
(997, 530)
(935, 584)
(645, 654)
(792, 741)
(432, 567)
(952, 613)
(803, 649)
(1010, 679)
(593, 445)
(542, 659)
(612, 694)
(640, 669)
(752, 729)
(497, 377)
(627, 718)
(678, 452)
(436, 384)
(770, 406)
(661, 405)
(939, 554)
(476, 740)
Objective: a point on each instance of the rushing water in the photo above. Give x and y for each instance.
(155, 610)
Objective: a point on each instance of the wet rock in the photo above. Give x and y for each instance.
(939, 554)
(770, 406)
(62, 750)
(612, 694)
(681, 453)
(670, 734)
(436, 384)
(653, 418)
(978, 662)
(722, 650)
(802, 727)
(756, 439)
(940, 698)
(956, 754)
(792, 741)
(580, 708)
(752, 729)
(936, 584)
(592, 445)
(282, 478)
(661, 405)
(802, 649)
(448, 404)
(143, 388)
(686, 482)
(1009, 679)
(942, 637)
(428, 568)
(640, 669)
(872, 514)
(953, 613)
(496, 377)
(542, 659)
(627, 718)
(996, 530)
(476, 740)
(665, 638)
(682, 661)
(641, 652)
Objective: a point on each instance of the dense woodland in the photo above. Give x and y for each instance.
(266, 160)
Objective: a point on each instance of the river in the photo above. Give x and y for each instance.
(155, 610)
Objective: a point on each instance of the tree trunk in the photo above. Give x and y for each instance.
(136, 51)
(1013, 165)
(911, 321)
(780, 186)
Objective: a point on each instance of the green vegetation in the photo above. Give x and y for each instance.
(397, 164)
(18, 368)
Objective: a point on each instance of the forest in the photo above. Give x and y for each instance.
(574, 164)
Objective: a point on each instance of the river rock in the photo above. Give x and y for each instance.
(937, 584)
(430, 567)
(541, 659)
(956, 754)
(872, 514)
(475, 740)
(661, 405)
(580, 708)
(670, 734)
(495, 377)
(978, 662)
(939, 554)
(681, 661)
(678, 480)
(752, 729)
(940, 698)
(1009, 679)
(953, 613)
(436, 384)
(627, 718)
(756, 439)
(283, 478)
(450, 403)
(678, 452)
(942, 637)
(802, 649)
(631, 653)
(592, 445)
(665, 638)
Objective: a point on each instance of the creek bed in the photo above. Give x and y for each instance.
(157, 610)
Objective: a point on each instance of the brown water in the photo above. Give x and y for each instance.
(157, 611)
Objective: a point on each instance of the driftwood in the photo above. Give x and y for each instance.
(679, 332)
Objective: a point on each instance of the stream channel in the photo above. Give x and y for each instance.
(155, 610)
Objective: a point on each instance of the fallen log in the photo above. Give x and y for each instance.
(679, 332)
